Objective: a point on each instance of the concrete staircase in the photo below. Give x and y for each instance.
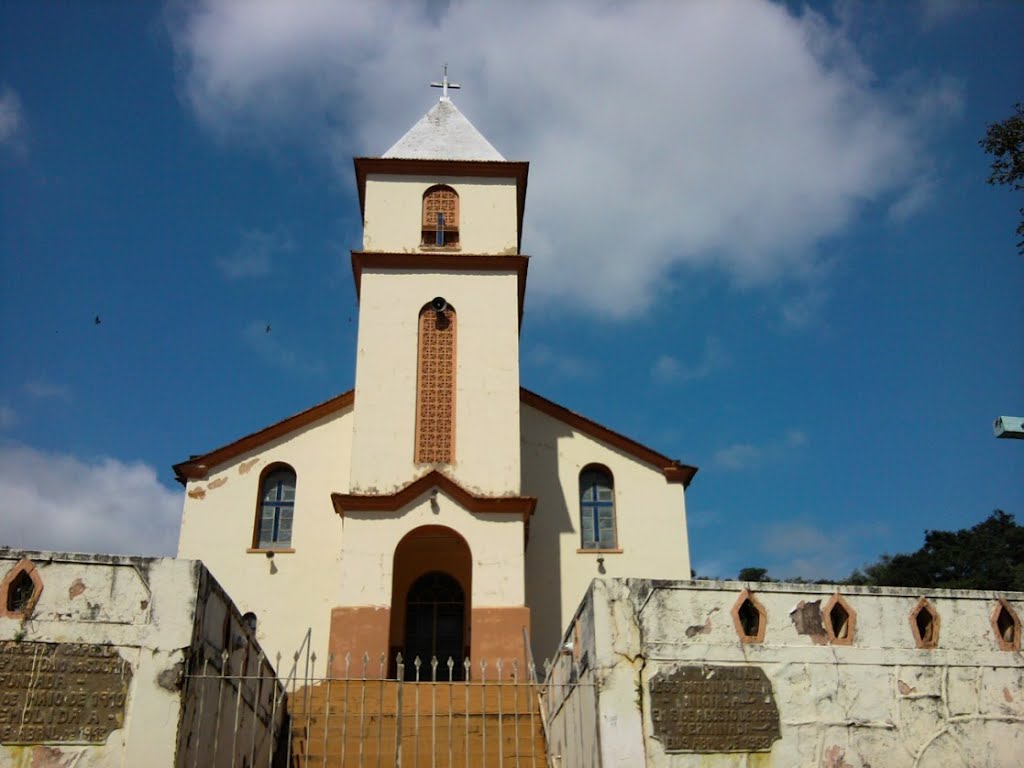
(369, 723)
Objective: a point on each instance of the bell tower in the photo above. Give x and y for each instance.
(441, 281)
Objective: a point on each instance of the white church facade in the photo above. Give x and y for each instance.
(438, 508)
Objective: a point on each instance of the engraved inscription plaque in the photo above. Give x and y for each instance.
(714, 709)
(61, 692)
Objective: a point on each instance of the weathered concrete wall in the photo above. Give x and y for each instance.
(233, 705)
(674, 672)
(95, 655)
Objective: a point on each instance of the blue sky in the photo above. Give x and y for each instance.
(761, 243)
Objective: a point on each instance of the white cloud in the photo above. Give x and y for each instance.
(261, 338)
(57, 501)
(559, 363)
(12, 118)
(670, 369)
(41, 389)
(734, 135)
(740, 456)
(936, 12)
(254, 255)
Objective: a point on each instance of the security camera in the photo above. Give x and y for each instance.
(439, 304)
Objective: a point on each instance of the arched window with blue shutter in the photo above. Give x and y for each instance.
(597, 508)
(276, 508)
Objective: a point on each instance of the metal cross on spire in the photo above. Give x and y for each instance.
(444, 84)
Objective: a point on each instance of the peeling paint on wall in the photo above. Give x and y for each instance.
(50, 757)
(77, 587)
(245, 466)
(197, 493)
(807, 621)
(217, 483)
(835, 758)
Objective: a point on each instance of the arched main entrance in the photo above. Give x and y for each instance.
(435, 617)
(430, 601)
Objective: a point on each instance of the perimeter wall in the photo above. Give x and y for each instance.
(713, 673)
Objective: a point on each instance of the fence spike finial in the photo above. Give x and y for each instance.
(433, 668)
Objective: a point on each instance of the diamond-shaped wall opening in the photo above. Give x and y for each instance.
(840, 620)
(19, 594)
(1006, 625)
(924, 622)
(750, 618)
(20, 590)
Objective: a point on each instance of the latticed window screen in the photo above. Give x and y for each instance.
(440, 216)
(277, 504)
(435, 388)
(597, 509)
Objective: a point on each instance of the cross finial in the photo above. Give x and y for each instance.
(444, 84)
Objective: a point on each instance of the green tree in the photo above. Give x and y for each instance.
(753, 574)
(988, 556)
(1005, 142)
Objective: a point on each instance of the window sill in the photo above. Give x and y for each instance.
(439, 248)
(270, 550)
(599, 551)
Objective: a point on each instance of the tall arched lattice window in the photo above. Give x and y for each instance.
(276, 507)
(435, 384)
(597, 508)
(440, 217)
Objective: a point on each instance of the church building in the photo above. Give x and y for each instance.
(438, 508)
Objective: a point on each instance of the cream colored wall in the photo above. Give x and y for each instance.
(392, 221)
(487, 379)
(291, 592)
(495, 543)
(650, 515)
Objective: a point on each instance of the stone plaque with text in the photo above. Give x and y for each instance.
(714, 709)
(61, 692)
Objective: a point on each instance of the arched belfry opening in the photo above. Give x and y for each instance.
(430, 602)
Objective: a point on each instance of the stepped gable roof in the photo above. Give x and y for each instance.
(198, 467)
(443, 133)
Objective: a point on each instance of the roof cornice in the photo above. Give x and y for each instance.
(491, 169)
(198, 467)
(674, 471)
(522, 506)
(438, 262)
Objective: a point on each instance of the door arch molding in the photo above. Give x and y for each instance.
(426, 551)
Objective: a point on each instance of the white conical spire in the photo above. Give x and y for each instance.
(443, 133)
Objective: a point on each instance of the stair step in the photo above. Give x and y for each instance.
(492, 724)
